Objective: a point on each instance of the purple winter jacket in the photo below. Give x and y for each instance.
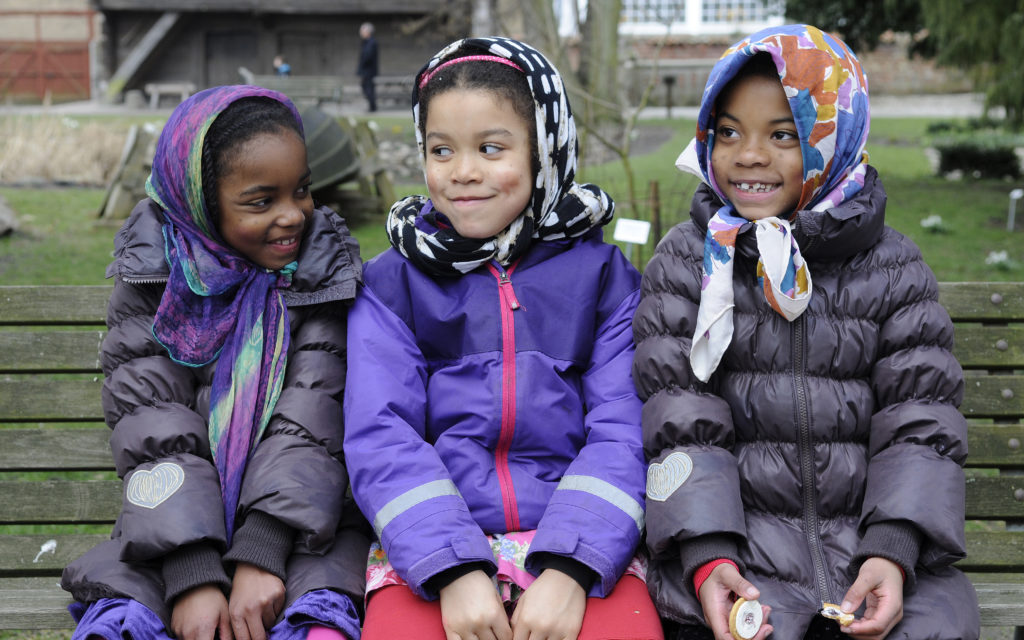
(498, 401)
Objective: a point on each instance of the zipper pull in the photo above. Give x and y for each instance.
(505, 283)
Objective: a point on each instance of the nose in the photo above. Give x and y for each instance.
(466, 168)
(291, 215)
(753, 152)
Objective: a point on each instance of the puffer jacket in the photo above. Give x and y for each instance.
(293, 519)
(498, 401)
(816, 443)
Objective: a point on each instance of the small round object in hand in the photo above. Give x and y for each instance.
(745, 619)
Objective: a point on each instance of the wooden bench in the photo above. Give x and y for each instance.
(179, 90)
(301, 89)
(56, 470)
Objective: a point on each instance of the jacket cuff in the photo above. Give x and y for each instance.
(581, 573)
(896, 541)
(450, 575)
(697, 552)
(191, 566)
(262, 541)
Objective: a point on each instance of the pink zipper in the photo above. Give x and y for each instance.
(508, 303)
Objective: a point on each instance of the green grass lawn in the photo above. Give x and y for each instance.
(61, 241)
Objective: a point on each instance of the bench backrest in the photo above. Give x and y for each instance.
(56, 467)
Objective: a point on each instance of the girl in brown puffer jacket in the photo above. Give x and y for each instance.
(225, 368)
(803, 435)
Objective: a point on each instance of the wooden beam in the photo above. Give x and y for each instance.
(298, 7)
(141, 53)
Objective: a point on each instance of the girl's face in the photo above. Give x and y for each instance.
(756, 156)
(477, 161)
(264, 198)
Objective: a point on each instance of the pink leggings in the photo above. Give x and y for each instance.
(396, 613)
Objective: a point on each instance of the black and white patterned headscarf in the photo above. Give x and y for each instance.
(559, 208)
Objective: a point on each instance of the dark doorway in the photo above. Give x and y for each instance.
(228, 50)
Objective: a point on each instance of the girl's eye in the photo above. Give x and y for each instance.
(303, 191)
(727, 132)
(441, 151)
(262, 202)
(488, 148)
(785, 135)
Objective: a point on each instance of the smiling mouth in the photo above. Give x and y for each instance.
(756, 187)
(285, 242)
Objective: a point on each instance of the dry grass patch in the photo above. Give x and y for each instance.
(59, 149)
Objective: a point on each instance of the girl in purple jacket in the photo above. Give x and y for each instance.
(492, 427)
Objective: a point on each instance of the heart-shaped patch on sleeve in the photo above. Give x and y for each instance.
(663, 478)
(148, 488)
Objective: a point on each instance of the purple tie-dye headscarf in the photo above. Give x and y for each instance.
(218, 305)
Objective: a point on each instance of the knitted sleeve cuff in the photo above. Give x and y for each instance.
(705, 570)
(262, 541)
(581, 573)
(697, 552)
(191, 566)
(896, 541)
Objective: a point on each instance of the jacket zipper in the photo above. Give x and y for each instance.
(805, 447)
(144, 279)
(508, 304)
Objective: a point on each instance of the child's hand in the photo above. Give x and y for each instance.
(716, 597)
(200, 613)
(257, 597)
(471, 609)
(550, 609)
(881, 582)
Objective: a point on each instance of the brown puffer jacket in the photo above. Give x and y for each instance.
(816, 443)
(294, 519)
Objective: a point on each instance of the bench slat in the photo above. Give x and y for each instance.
(989, 347)
(22, 555)
(993, 396)
(988, 551)
(55, 449)
(60, 502)
(41, 351)
(992, 498)
(975, 301)
(34, 603)
(57, 304)
(31, 399)
(995, 445)
(1001, 604)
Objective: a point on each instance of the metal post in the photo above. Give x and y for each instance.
(1015, 195)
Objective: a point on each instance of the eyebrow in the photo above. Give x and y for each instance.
(262, 188)
(726, 114)
(489, 133)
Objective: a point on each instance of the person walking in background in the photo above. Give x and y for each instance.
(803, 437)
(368, 63)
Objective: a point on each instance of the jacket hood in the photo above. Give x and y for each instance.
(329, 265)
(833, 234)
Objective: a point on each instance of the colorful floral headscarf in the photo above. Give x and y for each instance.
(217, 304)
(828, 94)
(560, 207)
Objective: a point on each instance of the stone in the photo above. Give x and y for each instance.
(8, 218)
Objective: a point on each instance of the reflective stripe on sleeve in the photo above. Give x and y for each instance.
(608, 492)
(399, 505)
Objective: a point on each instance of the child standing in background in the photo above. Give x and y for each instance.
(492, 427)
(225, 367)
(804, 438)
